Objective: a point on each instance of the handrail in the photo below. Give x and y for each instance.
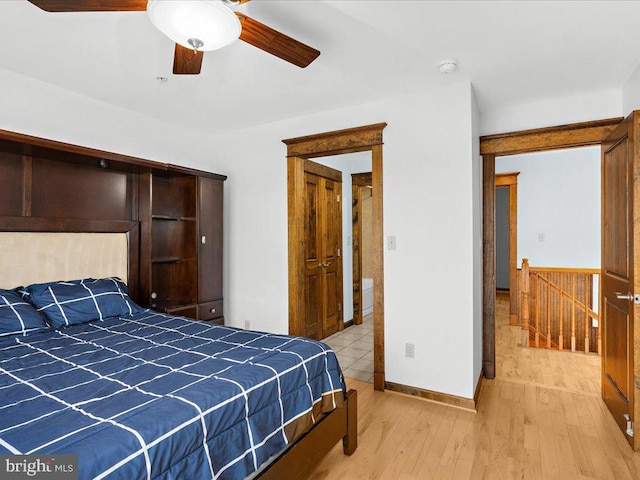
(593, 271)
(545, 297)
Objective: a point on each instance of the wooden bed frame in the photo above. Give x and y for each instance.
(17, 154)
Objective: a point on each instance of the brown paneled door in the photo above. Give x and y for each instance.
(323, 256)
(620, 269)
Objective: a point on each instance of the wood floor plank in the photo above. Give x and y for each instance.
(540, 418)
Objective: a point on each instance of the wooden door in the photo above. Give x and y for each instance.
(322, 248)
(620, 262)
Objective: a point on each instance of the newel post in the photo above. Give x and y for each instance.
(525, 297)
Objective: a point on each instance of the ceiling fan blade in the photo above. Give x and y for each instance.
(90, 5)
(276, 43)
(186, 61)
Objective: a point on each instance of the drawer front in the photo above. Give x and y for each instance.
(210, 310)
(189, 312)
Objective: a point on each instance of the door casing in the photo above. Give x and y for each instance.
(510, 180)
(358, 182)
(513, 143)
(359, 139)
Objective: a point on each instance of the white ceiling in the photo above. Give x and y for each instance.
(510, 51)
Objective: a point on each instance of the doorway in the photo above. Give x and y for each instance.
(507, 184)
(619, 160)
(362, 229)
(526, 141)
(360, 139)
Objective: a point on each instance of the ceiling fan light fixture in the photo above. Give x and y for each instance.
(209, 24)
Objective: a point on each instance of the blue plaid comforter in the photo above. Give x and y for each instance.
(162, 397)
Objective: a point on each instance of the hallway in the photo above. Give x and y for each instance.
(571, 372)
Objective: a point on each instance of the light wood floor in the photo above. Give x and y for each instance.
(541, 418)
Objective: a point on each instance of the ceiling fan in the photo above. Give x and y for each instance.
(178, 19)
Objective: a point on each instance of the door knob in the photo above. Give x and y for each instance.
(624, 296)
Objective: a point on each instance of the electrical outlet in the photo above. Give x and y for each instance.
(409, 350)
(247, 324)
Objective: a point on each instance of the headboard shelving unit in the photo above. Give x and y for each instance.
(172, 215)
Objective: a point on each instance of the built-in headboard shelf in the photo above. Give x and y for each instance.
(50, 186)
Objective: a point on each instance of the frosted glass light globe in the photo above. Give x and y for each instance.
(198, 24)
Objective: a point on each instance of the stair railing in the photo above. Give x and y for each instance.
(557, 307)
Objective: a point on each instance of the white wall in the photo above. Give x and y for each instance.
(631, 93)
(350, 163)
(477, 241)
(429, 279)
(40, 109)
(558, 197)
(579, 107)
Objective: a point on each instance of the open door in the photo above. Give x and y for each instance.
(620, 270)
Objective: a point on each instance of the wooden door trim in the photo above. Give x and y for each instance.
(361, 179)
(514, 143)
(337, 142)
(507, 179)
(359, 139)
(572, 135)
(510, 180)
(358, 182)
(296, 213)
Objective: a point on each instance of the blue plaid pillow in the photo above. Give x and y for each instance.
(24, 292)
(81, 301)
(17, 316)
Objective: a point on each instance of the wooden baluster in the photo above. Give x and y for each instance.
(537, 303)
(516, 318)
(549, 310)
(599, 315)
(587, 284)
(573, 312)
(524, 307)
(560, 314)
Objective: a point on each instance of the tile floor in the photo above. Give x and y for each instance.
(354, 349)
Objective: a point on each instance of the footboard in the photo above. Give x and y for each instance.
(308, 450)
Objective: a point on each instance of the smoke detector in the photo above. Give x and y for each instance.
(448, 66)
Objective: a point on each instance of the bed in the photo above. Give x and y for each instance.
(146, 395)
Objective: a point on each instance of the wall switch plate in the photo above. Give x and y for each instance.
(541, 237)
(409, 350)
(247, 324)
(391, 242)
